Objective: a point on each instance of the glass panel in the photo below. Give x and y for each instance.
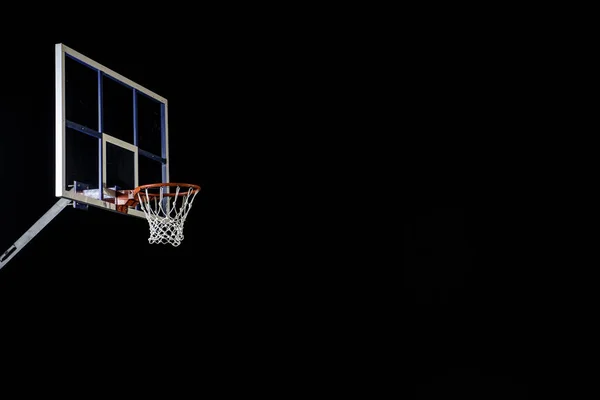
(150, 171)
(81, 159)
(149, 124)
(117, 103)
(120, 167)
(81, 99)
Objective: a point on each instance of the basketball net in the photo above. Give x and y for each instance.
(166, 214)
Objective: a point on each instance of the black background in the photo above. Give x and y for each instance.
(472, 312)
(313, 143)
(90, 280)
(256, 295)
(201, 99)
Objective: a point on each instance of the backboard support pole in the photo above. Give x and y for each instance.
(33, 231)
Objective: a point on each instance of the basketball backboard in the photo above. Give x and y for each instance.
(112, 151)
(111, 133)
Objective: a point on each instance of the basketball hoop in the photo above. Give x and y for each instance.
(166, 210)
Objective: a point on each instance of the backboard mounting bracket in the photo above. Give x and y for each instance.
(79, 188)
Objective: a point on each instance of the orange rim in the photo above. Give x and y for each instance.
(192, 189)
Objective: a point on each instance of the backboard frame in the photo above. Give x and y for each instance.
(103, 198)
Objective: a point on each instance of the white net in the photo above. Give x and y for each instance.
(166, 213)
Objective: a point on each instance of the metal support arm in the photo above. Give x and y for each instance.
(34, 230)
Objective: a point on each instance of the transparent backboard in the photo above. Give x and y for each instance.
(111, 133)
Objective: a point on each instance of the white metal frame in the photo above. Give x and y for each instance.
(60, 99)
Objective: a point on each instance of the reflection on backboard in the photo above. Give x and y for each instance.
(111, 133)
